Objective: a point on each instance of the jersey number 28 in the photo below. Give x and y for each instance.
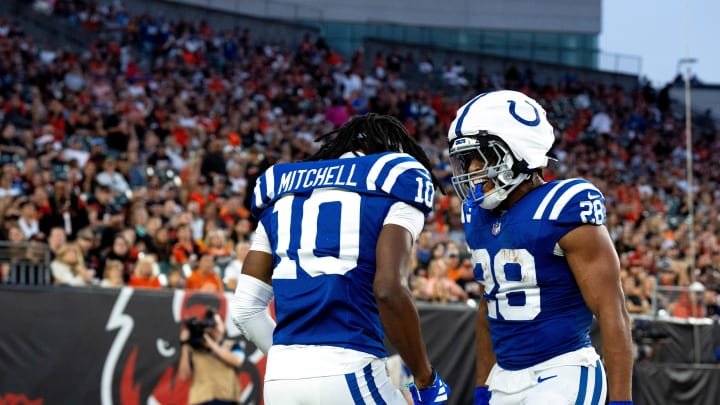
(511, 283)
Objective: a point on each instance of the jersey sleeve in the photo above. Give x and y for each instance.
(570, 204)
(404, 178)
(261, 240)
(580, 203)
(264, 192)
(406, 216)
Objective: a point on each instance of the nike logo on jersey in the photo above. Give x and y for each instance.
(593, 196)
(540, 379)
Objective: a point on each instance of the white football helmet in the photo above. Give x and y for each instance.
(508, 132)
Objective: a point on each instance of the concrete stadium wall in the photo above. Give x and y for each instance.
(521, 15)
(544, 72)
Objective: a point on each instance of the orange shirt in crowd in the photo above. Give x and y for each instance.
(205, 282)
(143, 282)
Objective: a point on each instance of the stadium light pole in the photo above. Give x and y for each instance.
(688, 62)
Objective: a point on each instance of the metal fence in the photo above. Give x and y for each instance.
(26, 263)
(682, 302)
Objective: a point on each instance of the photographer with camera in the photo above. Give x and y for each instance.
(210, 361)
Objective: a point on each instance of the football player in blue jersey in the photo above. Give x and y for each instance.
(544, 259)
(333, 246)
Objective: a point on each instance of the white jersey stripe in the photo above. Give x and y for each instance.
(270, 183)
(259, 203)
(548, 197)
(377, 168)
(566, 196)
(397, 170)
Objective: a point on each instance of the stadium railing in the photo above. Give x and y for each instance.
(26, 263)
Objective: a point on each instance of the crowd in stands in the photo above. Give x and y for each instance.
(134, 160)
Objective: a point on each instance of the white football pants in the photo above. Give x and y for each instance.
(550, 383)
(370, 385)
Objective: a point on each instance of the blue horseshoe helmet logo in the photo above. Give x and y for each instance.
(532, 123)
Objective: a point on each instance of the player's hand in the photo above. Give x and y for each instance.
(437, 393)
(482, 396)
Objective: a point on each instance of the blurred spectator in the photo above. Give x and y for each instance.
(438, 287)
(204, 277)
(110, 177)
(68, 267)
(213, 163)
(161, 244)
(88, 244)
(175, 279)
(217, 245)
(102, 209)
(634, 301)
(64, 209)
(684, 307)
(423, 249)
(28, 221)
(145, 274)
(256, 165)
(234, 268)
(55, 240)
(113, 275)
(242, 231)
(120, 251)
(185, 251)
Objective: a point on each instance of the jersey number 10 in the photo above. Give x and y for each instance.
(302, 253)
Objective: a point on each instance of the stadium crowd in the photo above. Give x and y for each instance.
(134, 160)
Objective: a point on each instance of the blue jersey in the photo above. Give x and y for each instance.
(323, 220)
(535, 308)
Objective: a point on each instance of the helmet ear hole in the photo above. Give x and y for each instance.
(506, 171)
(506, 177)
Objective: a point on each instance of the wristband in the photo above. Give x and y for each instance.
(482, 395)
(621, 403)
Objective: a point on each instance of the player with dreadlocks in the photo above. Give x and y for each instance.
(371, 133)
(333, 246)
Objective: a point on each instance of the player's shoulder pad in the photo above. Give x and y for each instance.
(572, 201)
(403, 177)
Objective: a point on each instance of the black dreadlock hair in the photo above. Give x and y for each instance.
(371, 133)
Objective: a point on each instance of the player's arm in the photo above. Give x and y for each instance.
(397, 309)
(592, 258)
(485, 357)
(254, 292)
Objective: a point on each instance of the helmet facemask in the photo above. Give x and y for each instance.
(497, 163)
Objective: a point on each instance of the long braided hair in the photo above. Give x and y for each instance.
(371, 133)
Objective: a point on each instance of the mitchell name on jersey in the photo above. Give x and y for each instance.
(535, 307)
(373, 174)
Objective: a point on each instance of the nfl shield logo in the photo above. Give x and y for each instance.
(496, 228)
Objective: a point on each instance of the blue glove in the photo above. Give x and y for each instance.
(482, 396)
(434, 394)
